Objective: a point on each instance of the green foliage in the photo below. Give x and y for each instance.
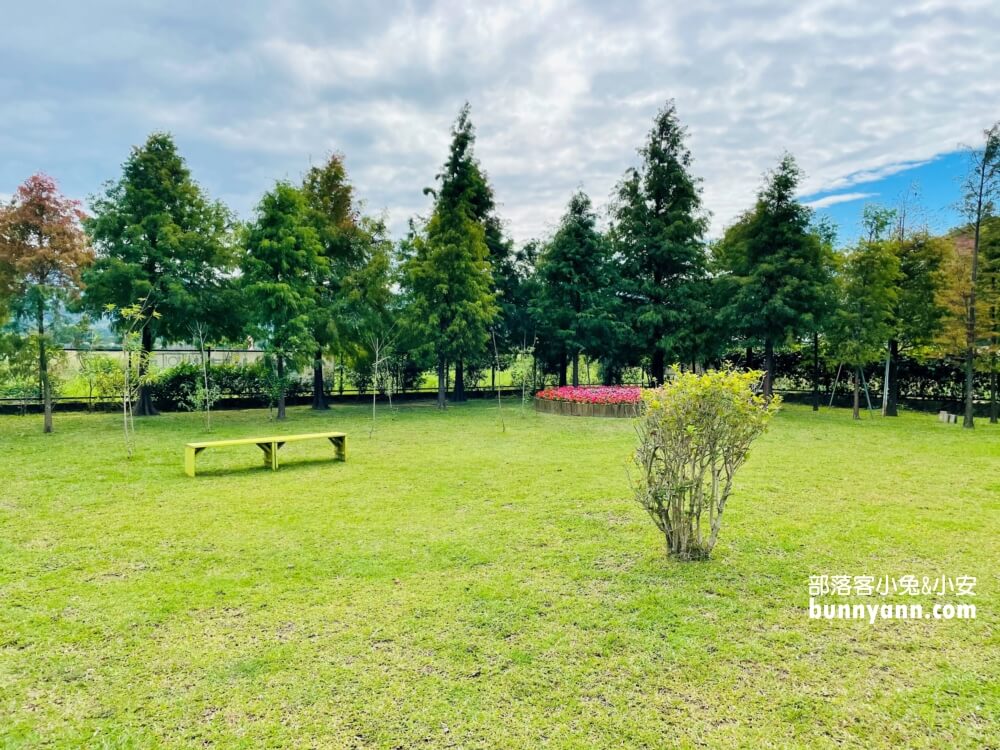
(777, 266)
(448, 282)
(868, 293)
(19, 375)
(989, 294)
(176, 386)
(19, 371)
(658, 233)
(694, 435)
(576, 307)
(980, 192)
(102, 374)
(133, 320)
(195, 396)
(449, 288)
(522, 371)
(282, 261)
(21, 389)
(465, 188)
(353, 281)
(919, 314)
(160, 238)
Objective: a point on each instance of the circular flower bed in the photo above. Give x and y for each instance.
(590, 401)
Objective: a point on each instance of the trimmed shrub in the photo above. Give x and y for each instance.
(173, 386)
(694, 435)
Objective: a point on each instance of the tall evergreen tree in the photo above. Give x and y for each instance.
(329, 196)
(282, 261)
(658, 232)
(160, 239)
(43, 251)
(778, 269)
(958, 298)
(355, 285)
(982, 186)
(918, 315)
(990, 294)
(448, 287)
(575, 295)
(465, 187)
(826, 301)
(451, 288)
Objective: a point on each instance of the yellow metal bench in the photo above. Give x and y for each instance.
(269, 445)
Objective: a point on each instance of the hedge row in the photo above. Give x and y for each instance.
(172, 387)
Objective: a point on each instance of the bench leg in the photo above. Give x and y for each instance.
(270, 455)
(340, 445)
(189, 458)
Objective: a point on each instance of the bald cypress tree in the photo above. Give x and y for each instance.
(352, 282)
(465, 187)
(160, 239)
(42, 254)
(575, 287)
(447, 278)
(981, 189)
(282, 259)
(778, 267)
(658, 232)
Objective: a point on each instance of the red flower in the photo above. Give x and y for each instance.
(593, 394)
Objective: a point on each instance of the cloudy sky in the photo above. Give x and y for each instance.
(870, 99)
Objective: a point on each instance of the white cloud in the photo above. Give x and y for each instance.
(833, 200)
(562, 93)
(874, 175)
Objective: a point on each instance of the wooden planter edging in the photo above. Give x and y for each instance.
(574, 409)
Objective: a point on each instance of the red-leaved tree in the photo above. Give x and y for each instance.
(43, 249)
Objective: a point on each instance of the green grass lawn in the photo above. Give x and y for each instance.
(453, 585)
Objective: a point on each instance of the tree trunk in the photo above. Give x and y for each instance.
(970, 332)
(576, 369)
(993, 359)
(146, 406)
(815, 370)
(993, 393)
(206, 365)
(319, 393)
(562, 369)
(749, 357)
(459, 396)
(892, 388)
(658, 367)
(442, 401)
(857, 393)
(768, 369)
(970, 374)
(281, 386)
(43, 371)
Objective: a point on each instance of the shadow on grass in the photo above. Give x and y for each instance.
(296, 464)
